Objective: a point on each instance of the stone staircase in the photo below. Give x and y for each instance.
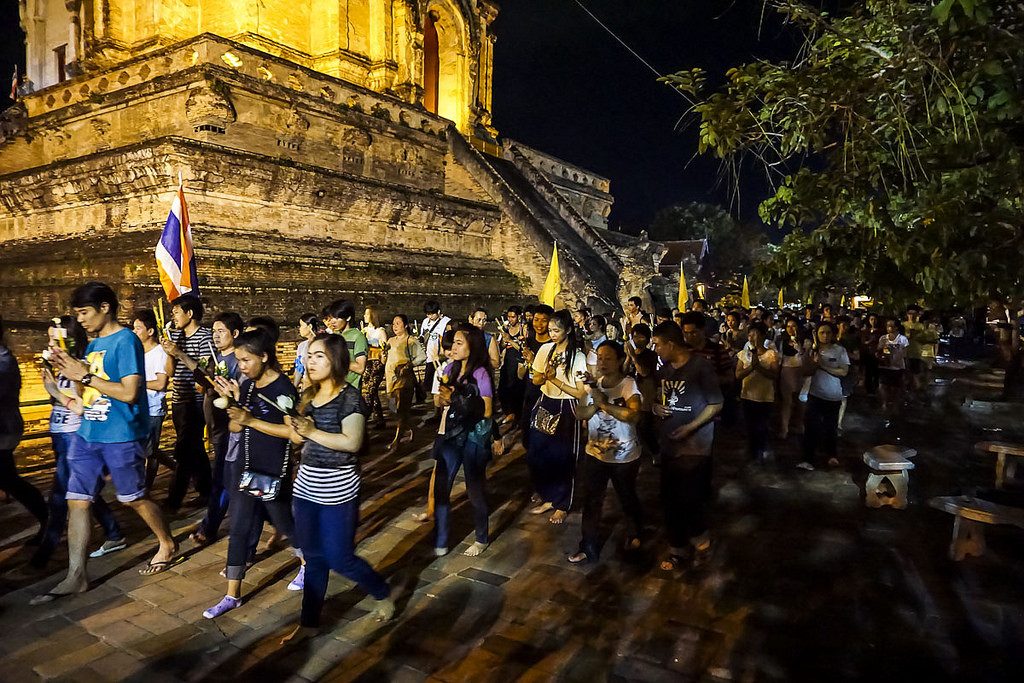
(588, 266)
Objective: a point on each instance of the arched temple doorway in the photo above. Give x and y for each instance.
(445, 68)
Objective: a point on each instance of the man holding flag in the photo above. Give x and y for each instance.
(176, 262)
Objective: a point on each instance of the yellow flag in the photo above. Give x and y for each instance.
(781, 304)
(745, 300)
(701, 292)
(684, 294)
(842, 302)
(553, 285)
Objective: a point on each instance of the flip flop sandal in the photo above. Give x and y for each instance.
(47, 598)
(160, 567)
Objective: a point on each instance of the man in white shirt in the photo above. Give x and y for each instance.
(431, 330)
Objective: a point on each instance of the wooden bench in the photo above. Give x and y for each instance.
(889, 476)
(1004, 467)
(970, 517)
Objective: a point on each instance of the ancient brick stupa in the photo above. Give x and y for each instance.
(327, 148)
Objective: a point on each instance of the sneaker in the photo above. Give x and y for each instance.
(299, 582)
(109, 547)
(805, 466)
(226, 604)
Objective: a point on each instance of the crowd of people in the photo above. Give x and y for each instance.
(589, 396)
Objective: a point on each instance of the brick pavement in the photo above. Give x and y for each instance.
(805, 584)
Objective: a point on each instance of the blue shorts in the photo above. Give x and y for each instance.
(125, 461)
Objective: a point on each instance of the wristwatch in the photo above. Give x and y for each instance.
(87, 380)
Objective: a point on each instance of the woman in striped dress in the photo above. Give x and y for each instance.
(326, 493)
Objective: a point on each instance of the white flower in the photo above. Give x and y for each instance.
(221, 402)
(47, 354)
(55, 321)
(285, 403)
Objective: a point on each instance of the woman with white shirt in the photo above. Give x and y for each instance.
(555, 434)
(376, 340)
(892, 364)
(613, 450)
(757, 368)
(144, 326)
(827, 364)
(310, 325)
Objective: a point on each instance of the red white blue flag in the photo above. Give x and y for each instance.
(175, 258)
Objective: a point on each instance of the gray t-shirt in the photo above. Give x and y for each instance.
(824, 385)
(687, 391)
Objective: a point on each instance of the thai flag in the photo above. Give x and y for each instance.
(15, 82)
(175, 258)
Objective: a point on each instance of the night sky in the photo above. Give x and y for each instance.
(566, 87)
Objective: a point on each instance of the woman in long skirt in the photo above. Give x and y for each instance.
(556, 437)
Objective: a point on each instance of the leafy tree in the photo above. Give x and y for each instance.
(732, 245)
(896, 139)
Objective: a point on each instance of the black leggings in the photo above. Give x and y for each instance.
(244, 509)
(759, 416)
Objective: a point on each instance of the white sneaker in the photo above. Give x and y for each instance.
(109, 547)
(299, 582)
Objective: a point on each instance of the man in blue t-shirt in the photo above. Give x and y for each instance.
(114, 429)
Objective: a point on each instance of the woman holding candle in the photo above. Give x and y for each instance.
(555, 435)
(376, 339)
(404, 355)
(256, 413)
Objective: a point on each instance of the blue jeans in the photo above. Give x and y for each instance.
(326, 534)
(451, 455)
(59, 505)
(220, 490)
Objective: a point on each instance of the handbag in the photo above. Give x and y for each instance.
(261, 486)
(265, 487)
(545, 422)
(405, 373)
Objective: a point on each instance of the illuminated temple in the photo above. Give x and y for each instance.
(327, 147)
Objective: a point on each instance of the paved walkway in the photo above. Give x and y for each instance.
(805, 584)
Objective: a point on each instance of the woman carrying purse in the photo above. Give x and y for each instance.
(404, 354)
(464, 437)
(257, 410)
(556, 437)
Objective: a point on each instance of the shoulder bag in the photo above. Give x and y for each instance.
(265, 487)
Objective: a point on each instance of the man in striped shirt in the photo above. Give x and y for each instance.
(189, 343)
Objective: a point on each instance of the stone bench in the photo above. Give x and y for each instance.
(970, 517)
(889, 476)
(1005, 468)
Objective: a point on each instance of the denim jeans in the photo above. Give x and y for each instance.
(220, 490)
(326, 535)
(451, 455)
